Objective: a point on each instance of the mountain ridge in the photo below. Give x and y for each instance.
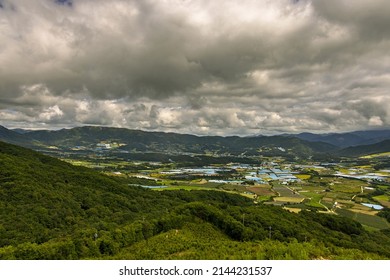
(131, 140)
(144, 141)
(14, 137)
(347, 139)
(362, 150)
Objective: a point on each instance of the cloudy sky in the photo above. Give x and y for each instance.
(238, 67)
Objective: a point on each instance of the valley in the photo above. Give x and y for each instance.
(103, 193)
(353, 188)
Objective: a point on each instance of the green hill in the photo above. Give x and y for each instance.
(160, 146)
(142, 141)
(43, 198)
(362, 150)
(52, 210)
(348, 139)
(16, 138)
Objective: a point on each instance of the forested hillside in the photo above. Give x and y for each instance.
(88, 137)
(50, 209)
(154, 146)
(348, 139)
(381, 147)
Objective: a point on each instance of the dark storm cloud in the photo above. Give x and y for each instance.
(203, 67)
(367, 19)
(112, 49)
(65, 2)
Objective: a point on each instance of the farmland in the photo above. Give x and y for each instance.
(337, 188)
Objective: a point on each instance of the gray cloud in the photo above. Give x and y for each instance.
(203, 67)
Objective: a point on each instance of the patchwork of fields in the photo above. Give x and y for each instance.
(333, 189)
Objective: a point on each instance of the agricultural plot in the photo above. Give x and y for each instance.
(313, 195)
(364, 210)
(303, 176)
(187, 188)
(383, 199)
(327, 199)
(314, 200)
(365, 219)
(284, 191)
(346, 203)
(261, 190)
(346, 188)
(237, 188)
(386, 154)
(286, 199)
(207, 185)
(294, 210)
(287, 195)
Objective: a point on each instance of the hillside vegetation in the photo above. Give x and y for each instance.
(380, 147)
(133, 141)
(160, 146)
(50, 209)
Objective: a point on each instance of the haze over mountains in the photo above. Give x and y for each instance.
(304, 144)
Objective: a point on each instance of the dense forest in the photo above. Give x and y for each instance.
(50, 209)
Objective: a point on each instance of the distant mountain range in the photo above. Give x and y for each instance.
(377, 148)
(348, 139)
(136, 141)
(14, 137)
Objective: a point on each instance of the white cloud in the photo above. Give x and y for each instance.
(51, 113)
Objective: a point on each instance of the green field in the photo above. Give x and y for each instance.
(387, 154)
(369, 220)
(303, 176)
(344, 188)
(187, 188)
(314, 199)
(287, 199)
(381, 198)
